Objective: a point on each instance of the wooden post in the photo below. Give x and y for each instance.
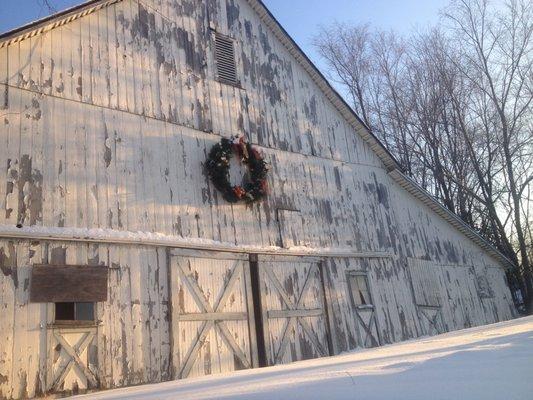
(258, 314)
(326, 310)
(171, 370)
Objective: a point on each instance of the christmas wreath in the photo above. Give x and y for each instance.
(254, 185)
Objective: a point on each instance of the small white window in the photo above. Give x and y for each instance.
(359, 291)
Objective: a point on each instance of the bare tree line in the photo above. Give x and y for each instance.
(454, 104)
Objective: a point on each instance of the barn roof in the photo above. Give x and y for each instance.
(393, 167)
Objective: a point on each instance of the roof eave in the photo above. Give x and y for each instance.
(52, 21)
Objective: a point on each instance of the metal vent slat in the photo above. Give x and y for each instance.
(225, 59)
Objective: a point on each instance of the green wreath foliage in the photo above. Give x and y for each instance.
(252, 189)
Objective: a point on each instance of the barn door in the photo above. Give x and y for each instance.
(293, 309)
(364, 311)
(430, 320)
(212, 319)
(426, 291)
(71, 359)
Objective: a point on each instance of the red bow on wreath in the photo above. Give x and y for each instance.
(239, 192)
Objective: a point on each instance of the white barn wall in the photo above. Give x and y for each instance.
(132, 345)
(105, 123)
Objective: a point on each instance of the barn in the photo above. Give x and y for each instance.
(125, 261)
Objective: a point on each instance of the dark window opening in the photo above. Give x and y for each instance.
(74, 311)
(360, 292)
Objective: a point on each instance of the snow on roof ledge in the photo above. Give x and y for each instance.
(159, 239)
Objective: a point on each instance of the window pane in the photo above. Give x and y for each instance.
(354, 287)
(359, 288)
(363, 296)
(84, 311)
(64, 311)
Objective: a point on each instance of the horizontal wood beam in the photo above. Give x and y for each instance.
(110, 236)
(315, 312)
(214, 316)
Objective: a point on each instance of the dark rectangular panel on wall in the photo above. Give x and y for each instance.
(68, 283)
(225, 60)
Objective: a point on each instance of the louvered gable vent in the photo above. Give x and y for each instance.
(225, 60)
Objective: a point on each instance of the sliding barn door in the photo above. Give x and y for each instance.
(212, 321)
(293, 309)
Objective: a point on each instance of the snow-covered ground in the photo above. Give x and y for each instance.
(489, 362)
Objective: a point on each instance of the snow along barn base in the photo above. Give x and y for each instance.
(120, 262)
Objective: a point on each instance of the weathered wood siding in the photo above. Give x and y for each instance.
(391, 295)
(147, 328)
(105, 123)
(293, 309)
(88, 165)
(132, 341)
(212, 322)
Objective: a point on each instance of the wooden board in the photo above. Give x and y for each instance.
(212, 317)
(293, 309)
(72, 360)
(68, 283)
(364, 315)
(424, 277)
(430, 320)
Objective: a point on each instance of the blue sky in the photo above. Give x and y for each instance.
(300, 18)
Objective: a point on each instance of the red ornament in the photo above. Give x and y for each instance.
(239, 192)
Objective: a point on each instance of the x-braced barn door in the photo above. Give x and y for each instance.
(430, 320)
(72, 359)
(364, 311)
(212, 314)
(293, 309)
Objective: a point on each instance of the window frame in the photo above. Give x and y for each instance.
(72, 323)
(355, 275)
(75, 311)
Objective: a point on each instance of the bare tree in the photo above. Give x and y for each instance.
(495, 55)
(455, 106)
